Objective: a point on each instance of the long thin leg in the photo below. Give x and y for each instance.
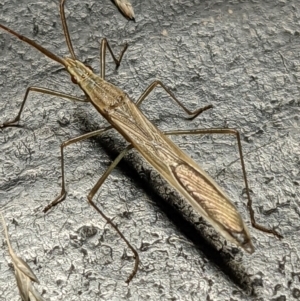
(237, 135)
(63, 192)
(15, 121)
(152, 86)
(65, 29)
(90, 200)
(104, 44)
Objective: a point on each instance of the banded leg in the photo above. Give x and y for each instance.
(63, 192)
(237, 135)
(109, 221)
(104, 45)
(156, 83)
(15, 121)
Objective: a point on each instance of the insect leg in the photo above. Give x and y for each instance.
(62, 195)
(237, 135)
(15, 121)
(104, 44)
(63, 192)
(109, 221)
(152, 86)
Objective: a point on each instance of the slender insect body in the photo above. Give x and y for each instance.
(126, 8)
(166, 157)
(23, 272)
(174, 165)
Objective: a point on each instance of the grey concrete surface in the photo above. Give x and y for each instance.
(240, 56)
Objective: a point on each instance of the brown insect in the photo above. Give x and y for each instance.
(182, 173)
(126, 8)
(24, 274)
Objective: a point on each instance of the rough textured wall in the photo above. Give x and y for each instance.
(240, 56)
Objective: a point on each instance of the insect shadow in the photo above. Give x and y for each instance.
(143, 182)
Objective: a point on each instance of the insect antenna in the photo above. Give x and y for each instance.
(66, 30)
(35, 45)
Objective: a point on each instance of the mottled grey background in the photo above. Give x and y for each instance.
(241, 56)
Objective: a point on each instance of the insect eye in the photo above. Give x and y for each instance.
(89, 67)
(74, 81)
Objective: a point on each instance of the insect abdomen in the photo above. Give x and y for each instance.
(210, 199)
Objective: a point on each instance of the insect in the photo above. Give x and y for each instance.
(180, 171)
(126, 8)
(24, 274)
